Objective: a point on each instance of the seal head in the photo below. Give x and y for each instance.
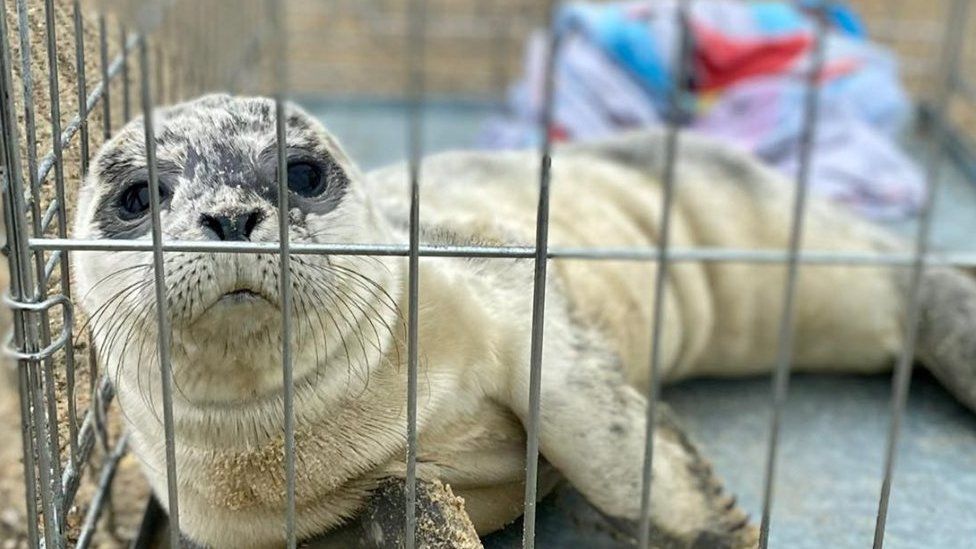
(217, 178)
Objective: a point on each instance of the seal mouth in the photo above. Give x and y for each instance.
(241, 296)
(238, 301)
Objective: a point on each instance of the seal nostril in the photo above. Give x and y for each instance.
(251, 222)
(232, 226)
(214, 225)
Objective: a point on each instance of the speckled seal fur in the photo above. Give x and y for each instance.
(216, 160)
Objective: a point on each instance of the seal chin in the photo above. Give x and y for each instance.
(238, 304)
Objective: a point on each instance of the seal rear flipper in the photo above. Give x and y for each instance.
(946, 338)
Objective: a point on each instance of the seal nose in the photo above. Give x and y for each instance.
(231, 226)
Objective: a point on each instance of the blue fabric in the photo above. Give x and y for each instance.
(626, 40)
(847, 20)
(775, 18)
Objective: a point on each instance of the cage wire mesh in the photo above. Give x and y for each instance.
(74, 72)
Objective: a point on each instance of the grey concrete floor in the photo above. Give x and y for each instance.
(835, 427)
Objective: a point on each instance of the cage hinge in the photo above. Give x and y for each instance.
(63, 339)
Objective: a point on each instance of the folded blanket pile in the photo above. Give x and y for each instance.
(747, 78)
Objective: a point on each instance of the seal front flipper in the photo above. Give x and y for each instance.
(442, 522)
(593, 431)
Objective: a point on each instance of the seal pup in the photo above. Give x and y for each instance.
(217, 180)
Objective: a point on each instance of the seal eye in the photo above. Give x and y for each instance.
(135, 200)
(305, 179)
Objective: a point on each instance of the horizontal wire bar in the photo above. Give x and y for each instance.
(105, 479)
(704, 254)
(49, 214)
(51, 264)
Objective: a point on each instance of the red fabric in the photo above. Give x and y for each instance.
(842, 67)
(558, 133)
(721, 60)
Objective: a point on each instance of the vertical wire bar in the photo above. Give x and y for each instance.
(284, 250)
(676, 102)
(162, 314)
(199, 60)
(416, 49)
(48, 439)
(107, 95)
(784, 356)
(539, 285)
(903, 371)
(15, 223)
(82, 86)
(65, 282)
(126, 89)
(106, 135)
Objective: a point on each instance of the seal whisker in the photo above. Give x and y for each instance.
(370, 287)
(343, 296)
(112, 275)
(117, 300)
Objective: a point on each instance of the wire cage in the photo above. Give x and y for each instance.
(73, 72)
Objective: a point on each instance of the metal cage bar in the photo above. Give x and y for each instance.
(13, 223)
(901, 379)
(26, 337)
(64, 484)
(83, 107)
(103, 55)
(126, 87)
(65, 276)
(102, 493)
(159, 279)
(416, 36)
(784, 356)
(43, 388)
(541, 259)
(28, 224)
(663, 259)
(649, 253)
(277, 10)
(99, 93)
